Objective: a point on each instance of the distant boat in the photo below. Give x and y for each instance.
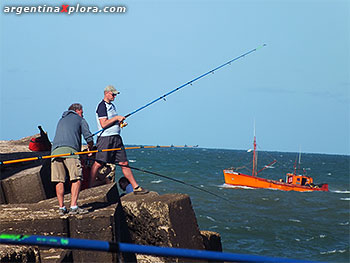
(293, 182)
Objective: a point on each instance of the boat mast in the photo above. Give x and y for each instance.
(254, 173)
(297, 161)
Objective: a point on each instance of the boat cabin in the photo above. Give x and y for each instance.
(299, 179)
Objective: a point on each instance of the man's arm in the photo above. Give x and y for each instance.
(87, 134)
(105, 122)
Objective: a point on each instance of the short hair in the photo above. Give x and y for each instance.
(123, 183)
(75, 107)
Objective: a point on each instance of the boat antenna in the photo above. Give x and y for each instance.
(186, 84)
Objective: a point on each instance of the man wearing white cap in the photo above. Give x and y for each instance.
(109, 122)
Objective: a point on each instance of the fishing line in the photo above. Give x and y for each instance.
(175, 180)
(186, 84)
(167, 177)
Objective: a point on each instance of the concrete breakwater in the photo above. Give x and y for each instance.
(28, 206)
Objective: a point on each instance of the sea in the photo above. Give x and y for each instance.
(295, 225)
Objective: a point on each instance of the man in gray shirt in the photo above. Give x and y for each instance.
(68, 140)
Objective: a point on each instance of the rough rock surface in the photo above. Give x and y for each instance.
(151, 219)
(24, 187)
(19, 254)
(162, 220)
(42, 219)
(18, 149)
(211, 240)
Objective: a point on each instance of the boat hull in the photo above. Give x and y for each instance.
(238, 179)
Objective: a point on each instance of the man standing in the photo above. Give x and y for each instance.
(68, 140)
(109, 121)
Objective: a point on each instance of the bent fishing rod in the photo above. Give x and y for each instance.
(123, 124)
(90, 152)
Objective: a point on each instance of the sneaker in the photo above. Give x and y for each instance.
(140, 191)
(77, 211)
(62, 211)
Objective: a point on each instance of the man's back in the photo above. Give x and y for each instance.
(68, 131)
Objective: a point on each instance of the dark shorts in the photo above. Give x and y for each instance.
(111, 142)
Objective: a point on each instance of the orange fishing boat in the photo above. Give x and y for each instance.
(293, 182)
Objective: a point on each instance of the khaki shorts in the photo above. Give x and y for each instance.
(59, 166)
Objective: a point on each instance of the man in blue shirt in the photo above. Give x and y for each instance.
(68, 140)
(108, 120)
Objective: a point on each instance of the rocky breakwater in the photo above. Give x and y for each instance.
(152, 219)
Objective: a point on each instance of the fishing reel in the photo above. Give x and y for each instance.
(123, 124)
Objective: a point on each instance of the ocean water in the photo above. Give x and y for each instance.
(308, 226)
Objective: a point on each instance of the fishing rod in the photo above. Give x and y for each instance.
(87, 152)
(117, 247)
(123, 124)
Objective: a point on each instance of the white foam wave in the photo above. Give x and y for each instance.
(294, 220)
(332, 252)
(235, 186)
(132, 161)
(344, 224)
(157, 181)
(210, 218)
(341, 191)
(345, 199)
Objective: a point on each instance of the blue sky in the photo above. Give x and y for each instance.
(296, 88)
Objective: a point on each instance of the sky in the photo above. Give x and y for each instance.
(295, 90)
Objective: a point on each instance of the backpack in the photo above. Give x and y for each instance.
(40, 143)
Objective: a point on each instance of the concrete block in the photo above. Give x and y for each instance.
(105, 221)
(2, 196)
(55, 255)
(211, 241)
(45, 175)
(91, 198)
(42, 219)
(32, 219)
(167, 220)
(19, 254)
(98, 224)
(24, 187)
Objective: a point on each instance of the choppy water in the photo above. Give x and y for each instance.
(309, 226)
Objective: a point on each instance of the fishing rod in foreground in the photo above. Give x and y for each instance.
(184, 85)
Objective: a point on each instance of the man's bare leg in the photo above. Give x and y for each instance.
(60, 194)
(128, 174)
(75, 189)
(93, 173)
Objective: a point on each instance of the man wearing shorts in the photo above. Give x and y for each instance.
(68, 140)
(109, 138)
